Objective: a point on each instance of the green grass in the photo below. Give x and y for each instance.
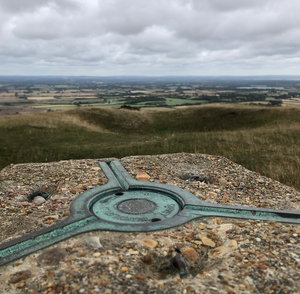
(117, 105)
(262, 139)
(174, 101)
(45, 104)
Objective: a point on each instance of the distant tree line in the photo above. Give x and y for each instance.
(124, 106)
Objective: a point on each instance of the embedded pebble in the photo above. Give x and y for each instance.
(132, 252)
(147, 259)
(52, 256)
(38, 200)
(191, 254)
(212, 194)
(20, 276)
(206, 241)
(51, 217)
(149, 242)
(93, 241)
(222, 228)
(219, 251)
(143, 177)
(232, 244)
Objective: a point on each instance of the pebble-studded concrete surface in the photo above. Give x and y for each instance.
(223, 255)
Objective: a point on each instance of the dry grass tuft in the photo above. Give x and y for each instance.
(49, 120)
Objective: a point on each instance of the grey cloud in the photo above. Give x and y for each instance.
(27, 6)
(230, 5)
(148, 36)
(16, 6)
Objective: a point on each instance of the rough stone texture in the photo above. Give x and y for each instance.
(264, 257)
(52, 256)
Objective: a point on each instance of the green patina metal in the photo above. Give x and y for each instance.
(46, 237)
(136, 207)
(219, 210)
(245, 214)
(127, 205)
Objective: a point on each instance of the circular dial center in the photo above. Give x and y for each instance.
(136, 206)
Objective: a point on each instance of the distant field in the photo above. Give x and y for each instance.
(41, 98)
(102, 105)
(292, 102)
(145, 92)
(56, 107)
(172, 102)
(58, 97)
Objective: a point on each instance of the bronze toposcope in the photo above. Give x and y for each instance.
(128, 205)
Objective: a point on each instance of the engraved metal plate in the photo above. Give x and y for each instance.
(137, 206)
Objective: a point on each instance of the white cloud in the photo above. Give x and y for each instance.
(149, 37)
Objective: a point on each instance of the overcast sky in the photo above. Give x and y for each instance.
(149, 37)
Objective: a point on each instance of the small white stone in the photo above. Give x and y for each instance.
(133, 252)
(38, 200)
(51, 216)
(82, 290)
(258, 239)
(93, 241)
(295, 235)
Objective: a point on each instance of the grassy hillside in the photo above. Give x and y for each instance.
(265, 140)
